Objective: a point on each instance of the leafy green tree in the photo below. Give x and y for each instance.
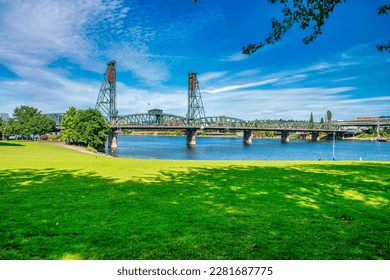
(322, 120)
(92, 128)
(311, 121)
(328, 117)
(2, 129)
(85, 127)
(5, 129)
(28, 121)
(69, 123)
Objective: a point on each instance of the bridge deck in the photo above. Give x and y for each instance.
(199, 127)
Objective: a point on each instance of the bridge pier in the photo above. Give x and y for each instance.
(112, 139)
(339, 135)
(191, 136)
(248, 136)
(302, 136)
(285, 138)
(315, 136)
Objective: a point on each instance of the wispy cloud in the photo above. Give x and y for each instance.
(345, 79)
(235, 57)
(133, 100)
(36, 33)
(241, 86)
(296, 103)
(206, 77)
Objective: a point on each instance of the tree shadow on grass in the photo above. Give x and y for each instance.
(10, 144)
(320, 211)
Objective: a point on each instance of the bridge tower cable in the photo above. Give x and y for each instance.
(195, 104)
(106, 102)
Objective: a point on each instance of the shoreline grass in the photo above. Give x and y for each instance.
(57, 203)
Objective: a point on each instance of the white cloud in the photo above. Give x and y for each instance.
(235, 57)
(240, 86)
(37, 33)
(206, 77)
(295, 103)
(345, 79)
(135, 101)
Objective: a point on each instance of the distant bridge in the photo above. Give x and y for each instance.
(371, 123)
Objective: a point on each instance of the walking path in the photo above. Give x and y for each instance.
(75, 147)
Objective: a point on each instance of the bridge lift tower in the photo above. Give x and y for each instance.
(195, 104)
(106, 102)
(195, 107)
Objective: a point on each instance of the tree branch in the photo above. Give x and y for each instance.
(296, 12)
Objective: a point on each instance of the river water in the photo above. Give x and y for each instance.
(174, 147)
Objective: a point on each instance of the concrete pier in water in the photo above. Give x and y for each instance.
(285, 136)
(248, 136)
(113, 139)
(315, 136)
(191, 136)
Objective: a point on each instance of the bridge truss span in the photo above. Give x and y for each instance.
(151, 119)
(292, 125)
(166, 120)
(220, 121)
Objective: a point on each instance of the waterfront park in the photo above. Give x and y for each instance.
(59, 203)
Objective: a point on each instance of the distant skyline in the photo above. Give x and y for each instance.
(53, 55)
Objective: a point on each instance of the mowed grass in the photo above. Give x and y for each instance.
(57, 203)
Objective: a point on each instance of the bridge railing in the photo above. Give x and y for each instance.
(220, 121)
(166, 120)
(151, 119)
(291, 124)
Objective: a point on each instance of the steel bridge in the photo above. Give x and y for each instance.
(195, 118)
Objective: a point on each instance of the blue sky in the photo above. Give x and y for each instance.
(53, 54)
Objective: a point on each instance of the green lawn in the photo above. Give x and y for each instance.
(57, 203)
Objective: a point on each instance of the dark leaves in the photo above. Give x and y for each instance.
(311, 13)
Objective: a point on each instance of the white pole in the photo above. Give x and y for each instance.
(334, 144)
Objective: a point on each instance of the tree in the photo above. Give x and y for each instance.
(2, 128)
(28, 121)
(322, 120)
(69, 123)
(304, 14)
(384, 10)
(86, 128)
(328, 117)
(311, 121)
(92, 128)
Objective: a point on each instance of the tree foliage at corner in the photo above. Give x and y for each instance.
(384, 10)
(28, 121)
(305, 14)
(85, 127)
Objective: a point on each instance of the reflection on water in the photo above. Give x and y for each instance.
(165, 147)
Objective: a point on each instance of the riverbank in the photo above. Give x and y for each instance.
(59, 203)
(81, 149)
